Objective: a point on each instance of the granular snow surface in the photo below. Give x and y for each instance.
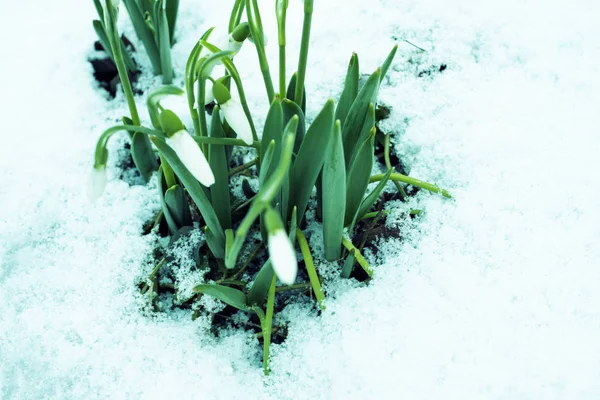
(492, 295)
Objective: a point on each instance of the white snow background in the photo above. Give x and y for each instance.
(493, 295)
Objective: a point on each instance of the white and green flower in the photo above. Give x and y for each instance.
(233, 112)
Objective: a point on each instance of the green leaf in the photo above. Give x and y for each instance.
(373, 196)
(213, 244)
(258, 292)
(289, 110)
(358, 178)
(194, 189)
(143, 155)
(164, 45)
(291, 90)
(334, 196)
(388, 61)
(310, 159)
(226, 294)
(350, 90)
(173, 227)
(265, 195)
(178, 206)
(218, 163)
(368, 124)
(103, 38)
(273, 130)
(348, 264)
(172, 7)
(354, 123)
(267, 163)
(99, 10)
(144, 34)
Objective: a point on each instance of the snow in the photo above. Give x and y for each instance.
(491, 295)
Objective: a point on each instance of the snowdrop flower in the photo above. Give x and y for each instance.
(96, 183)
(233, 112)
(281, 251)
(186, 148)
(233, 42)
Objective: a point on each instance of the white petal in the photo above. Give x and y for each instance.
(208, 94)
(283, 257)
(191, 156)
(233, 45)
(96, 183)
(234, 114)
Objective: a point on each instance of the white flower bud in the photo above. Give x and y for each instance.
(191, 156)
(283, 256)
(96, 183)
(234, 114)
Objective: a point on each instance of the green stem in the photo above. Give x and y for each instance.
(243, 167)
(236, 15)
(225, 141)
(308, 10)
(310, 268)
(359, 258)
(293, 287)
(268, 323)
(167, 172)
(388, 164)
(281, 11)
(374, 214)
(115, 43)
(257, 35)
(412, 181)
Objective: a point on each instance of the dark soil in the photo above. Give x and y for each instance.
(105, 70)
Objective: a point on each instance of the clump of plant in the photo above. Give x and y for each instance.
(251, 243)
(154, 24)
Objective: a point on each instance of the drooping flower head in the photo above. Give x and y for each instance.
(233, 112)
(281, 251)
(186, 148)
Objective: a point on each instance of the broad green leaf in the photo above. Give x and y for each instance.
(173, 227)
(265, 195)
(260, 287)
(103, 38)
(291, 90)
(348, 264)
(226, 294)
(373, 196)
(289, 110)
(164, 44)
(350, 89)
(368, 124)
(310, 159)
(388, 61)
(267, 163)
(334, 195)
(354, 123)
(99, 10)
(273, 130)
(213, 244)
(218, 163)
(358, 178)
(194, 189)
(172, 7)
(143, 155)
(144, 34)
(178, 206)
